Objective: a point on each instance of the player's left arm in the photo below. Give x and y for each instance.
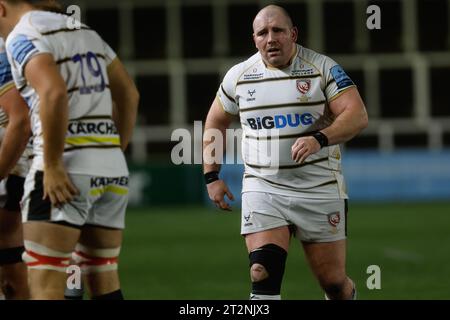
(125, 101)
(17, 131)
(350, 119)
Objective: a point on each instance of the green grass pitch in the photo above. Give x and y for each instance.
(197, 253)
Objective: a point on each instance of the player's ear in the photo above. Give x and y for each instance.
(294, 34)
(2, 9)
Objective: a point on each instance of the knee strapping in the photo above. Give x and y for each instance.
(39, 257)
(93, 260)
(273, 259)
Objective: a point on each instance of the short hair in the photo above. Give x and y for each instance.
(283, 12)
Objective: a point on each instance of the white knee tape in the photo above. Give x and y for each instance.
(39, 257)
(92, 260)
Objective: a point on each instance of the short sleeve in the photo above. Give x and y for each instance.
(227, 92)
(21, 49)
(337, 80)
(110, 55)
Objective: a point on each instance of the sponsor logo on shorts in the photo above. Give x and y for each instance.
(334, 218)
(247, 219)
(102, 181)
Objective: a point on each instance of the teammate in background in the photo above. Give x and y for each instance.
(14, 165)
(76, 192)
(314, 106)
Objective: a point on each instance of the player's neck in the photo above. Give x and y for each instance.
(291, 59)
(293, 54)
(15, 15)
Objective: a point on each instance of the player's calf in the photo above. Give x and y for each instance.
(267, 265)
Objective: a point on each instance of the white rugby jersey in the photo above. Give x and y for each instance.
(92, 140)
(286, 104)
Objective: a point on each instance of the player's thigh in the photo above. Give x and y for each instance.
(48, 249)
(326, 259)
(100, 237)
(279, 236)
(263, 221)
(59, 237)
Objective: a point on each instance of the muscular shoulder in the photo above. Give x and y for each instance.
(38, 24)
(44, 22)
(320, 61)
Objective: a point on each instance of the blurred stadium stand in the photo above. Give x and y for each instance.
(178, 51)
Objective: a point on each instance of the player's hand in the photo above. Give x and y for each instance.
(217, 191)
(303, 148)
(57, 185)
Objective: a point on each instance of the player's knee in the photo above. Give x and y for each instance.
(94, 260)
(258, 272)
(267, 269)
(39, 257)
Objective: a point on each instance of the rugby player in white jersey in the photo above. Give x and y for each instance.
(76, 192)
(313, 106)
(14, 165)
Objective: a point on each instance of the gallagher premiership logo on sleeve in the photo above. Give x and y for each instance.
(21, 48)
(341, 78)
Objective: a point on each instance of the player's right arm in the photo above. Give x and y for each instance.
(220, 120)
(126, 100)
(43, 75)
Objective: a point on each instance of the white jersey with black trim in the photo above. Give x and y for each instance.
(276, 107)
(92, 140)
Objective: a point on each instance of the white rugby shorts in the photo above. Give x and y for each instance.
(314, 220)
(102, 201)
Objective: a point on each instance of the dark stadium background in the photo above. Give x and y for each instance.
(178, 247)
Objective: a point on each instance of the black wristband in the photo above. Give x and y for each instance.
(321, 138)
(211, 176)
